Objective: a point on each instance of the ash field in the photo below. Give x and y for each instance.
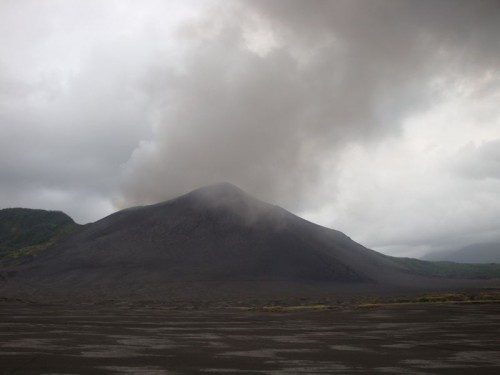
(403, 339)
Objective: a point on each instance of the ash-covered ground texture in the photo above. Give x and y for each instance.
(216, 243)
(97, 339)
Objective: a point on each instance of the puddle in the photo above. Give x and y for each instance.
(489, 357)
(349, 348)
(264, 353)
(398, 346)
(137, 370)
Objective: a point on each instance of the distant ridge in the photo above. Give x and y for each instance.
(476, 253)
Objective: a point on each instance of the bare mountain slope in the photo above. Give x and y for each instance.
(214, 240)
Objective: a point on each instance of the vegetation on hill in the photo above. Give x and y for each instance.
(487, 252)
(27, 232)
(451, 269)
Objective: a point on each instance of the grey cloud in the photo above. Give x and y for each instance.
(478, 161)
(387, 28)
(65, 133)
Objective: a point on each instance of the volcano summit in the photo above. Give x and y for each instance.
(214, 242)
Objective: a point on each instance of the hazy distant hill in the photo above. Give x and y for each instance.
(446, 269)
(476, 253)
(27, 232)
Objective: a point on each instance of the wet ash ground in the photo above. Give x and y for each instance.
(409, 339)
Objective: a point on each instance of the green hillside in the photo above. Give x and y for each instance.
(451, 269)
(27, 232)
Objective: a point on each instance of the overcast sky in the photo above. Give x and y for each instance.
(377, 118)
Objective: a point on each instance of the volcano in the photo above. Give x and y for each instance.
(215, 241)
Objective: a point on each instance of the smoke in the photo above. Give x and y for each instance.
(274, 95)
(267, 92)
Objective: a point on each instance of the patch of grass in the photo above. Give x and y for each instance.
(284, 308)
(296, 308)
(489, 296)
(440, 298)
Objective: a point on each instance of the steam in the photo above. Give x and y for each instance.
(264, 97)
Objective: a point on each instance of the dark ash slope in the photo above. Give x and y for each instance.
(214, 241)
